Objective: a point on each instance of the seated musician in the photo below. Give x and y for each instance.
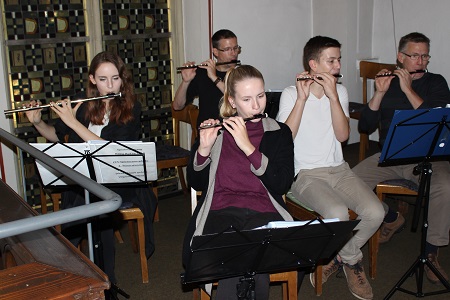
(206, 81)
(316, 110)
(409, 89)
(115, 118)
(243, 169)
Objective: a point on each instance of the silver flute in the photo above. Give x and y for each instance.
(24, 108)
(258, 116)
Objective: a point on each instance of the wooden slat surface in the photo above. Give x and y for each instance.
(39, 281)
(43, 259)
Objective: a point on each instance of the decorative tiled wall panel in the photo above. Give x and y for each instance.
(139, 32)
(47, 56)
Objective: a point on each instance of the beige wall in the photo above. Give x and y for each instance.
(273, 33)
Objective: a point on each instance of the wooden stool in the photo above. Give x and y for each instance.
(55, 197)
(397, 187)
(128, 214)
(174, 156)
(135, 214)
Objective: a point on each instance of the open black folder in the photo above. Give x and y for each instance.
(235, 253)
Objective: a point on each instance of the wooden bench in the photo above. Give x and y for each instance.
(43, 262)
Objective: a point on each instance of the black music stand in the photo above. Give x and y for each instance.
(419, 136)
(244, 253)
(110, 163)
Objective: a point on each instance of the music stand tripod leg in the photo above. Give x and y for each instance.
(418, 266)
(89, 229)
(246, 287)
(99, 260)
(96, 247)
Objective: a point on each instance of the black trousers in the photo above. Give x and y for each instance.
(240, 219)
(103, 235)
(103, 226)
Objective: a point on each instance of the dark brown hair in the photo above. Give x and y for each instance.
(314, 47)
(121, 107)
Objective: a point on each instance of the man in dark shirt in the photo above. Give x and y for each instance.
(406, 89)
(206, 81)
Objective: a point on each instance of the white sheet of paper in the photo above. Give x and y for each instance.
(126, 161)
(286, 224)
(66, 154)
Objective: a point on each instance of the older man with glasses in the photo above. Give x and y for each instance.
(205, 81)
(409, 88)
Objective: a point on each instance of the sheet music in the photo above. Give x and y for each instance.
(70, 154)
(127, 161)
(113, 162)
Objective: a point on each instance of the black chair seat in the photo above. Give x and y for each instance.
(164, 152)
(403, 183)
(126, 205)
(355, 107)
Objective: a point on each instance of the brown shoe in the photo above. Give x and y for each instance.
(357, 281)
(432, 257)
(387, 230)
(327, 270)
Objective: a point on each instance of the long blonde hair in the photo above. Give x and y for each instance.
(233, 77)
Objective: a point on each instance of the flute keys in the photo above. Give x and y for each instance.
(317, 77)
(237, 62)
(305, 78)
(29, 107)
(385, 74)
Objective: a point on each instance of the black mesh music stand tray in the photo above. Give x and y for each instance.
(235, 253)
(418, 136)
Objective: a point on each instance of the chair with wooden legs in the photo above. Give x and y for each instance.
(132, 215)
(174, 156)
(55, 198)
(398, 187)
(301, 212)
(288, 280)
(367, 70)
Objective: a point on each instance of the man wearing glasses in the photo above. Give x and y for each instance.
(405, 90)
(206, 81)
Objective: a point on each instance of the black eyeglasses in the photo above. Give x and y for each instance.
(425, 57)
(237, 49)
